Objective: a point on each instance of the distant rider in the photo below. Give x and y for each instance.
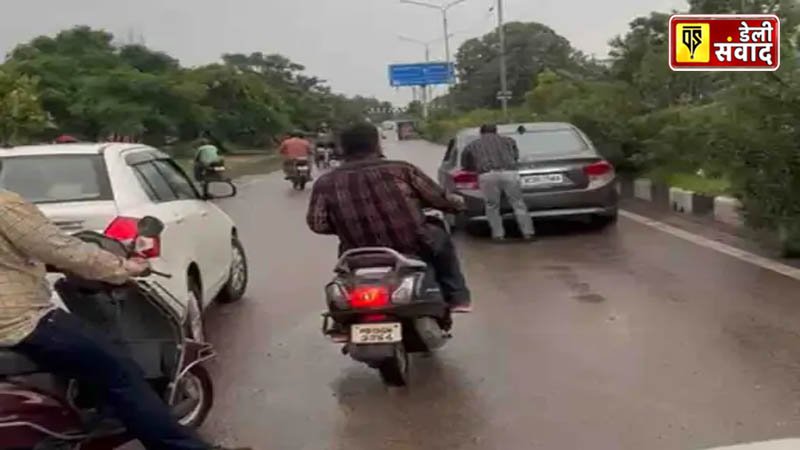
(370, 201)
(206, 156)
(294, 148)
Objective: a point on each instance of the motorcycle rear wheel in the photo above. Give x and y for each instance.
(394, 371)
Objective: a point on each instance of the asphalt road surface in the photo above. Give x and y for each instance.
(626, 338)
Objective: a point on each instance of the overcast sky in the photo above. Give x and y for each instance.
(347, 42)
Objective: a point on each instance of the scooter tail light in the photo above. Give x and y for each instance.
(362, 297)
(125, 230)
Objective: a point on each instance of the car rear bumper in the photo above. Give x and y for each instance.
(602, 200)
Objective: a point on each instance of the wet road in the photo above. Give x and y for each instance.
(628, 338)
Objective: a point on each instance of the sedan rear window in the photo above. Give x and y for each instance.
(56, 178)
(532, 144)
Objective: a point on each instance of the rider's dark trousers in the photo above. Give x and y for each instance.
(64, 344)
(440, 253)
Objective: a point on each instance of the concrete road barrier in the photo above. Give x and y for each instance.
(681, 200)
(643, 189)
(723, 209)
(728, 210)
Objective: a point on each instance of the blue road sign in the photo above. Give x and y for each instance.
(422, 74)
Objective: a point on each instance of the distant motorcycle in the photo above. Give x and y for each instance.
(45, 411)
(300, 174)
(323, 156)
(213, 172)
(383, 305)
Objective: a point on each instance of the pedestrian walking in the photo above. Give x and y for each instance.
(495, 159)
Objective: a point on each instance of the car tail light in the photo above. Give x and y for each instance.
(599, 173)
(369, 297)
(125, 230)
(465, 180)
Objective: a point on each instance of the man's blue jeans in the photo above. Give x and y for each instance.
(65, 345)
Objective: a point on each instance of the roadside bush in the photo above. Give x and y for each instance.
(759, 130)
(442, 130)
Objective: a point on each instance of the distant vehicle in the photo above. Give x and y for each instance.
(406, 129)
(562, 174)
(300, 173)
(107, 187)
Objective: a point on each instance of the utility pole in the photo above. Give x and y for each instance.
(504, 94)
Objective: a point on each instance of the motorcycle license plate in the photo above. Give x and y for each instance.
(376, 333)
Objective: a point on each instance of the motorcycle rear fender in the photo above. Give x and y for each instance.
(370, 353)
(29, 415)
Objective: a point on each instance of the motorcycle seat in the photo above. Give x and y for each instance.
(14, 363)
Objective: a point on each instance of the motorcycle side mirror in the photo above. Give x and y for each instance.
(149, 226)
(218, 189)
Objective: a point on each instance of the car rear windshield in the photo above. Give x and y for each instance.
(56, 178)
(531, 144)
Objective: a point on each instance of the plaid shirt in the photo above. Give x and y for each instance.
(27, 241)
(490, 152)
(375, 202)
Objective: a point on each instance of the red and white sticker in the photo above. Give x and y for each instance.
(724, 42)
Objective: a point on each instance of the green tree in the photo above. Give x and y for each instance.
(21, 112)
(530, 49)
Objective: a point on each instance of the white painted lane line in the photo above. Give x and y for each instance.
(752, 258)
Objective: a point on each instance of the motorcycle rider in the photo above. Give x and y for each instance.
(370, 201)
(293, 148)
(207, 155)
(61, 343)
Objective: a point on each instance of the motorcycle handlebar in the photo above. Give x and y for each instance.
(161, 274)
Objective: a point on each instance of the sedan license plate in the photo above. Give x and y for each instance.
(542, 180)
(376, 333)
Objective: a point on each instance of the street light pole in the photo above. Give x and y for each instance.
(503, 69)
(443, 8)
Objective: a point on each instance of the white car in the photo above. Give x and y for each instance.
(108, 187)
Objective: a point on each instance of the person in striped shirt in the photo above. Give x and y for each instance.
(495, 159)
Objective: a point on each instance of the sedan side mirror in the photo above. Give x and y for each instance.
(219, 189)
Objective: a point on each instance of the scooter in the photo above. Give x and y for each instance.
(323, 156)
(301, 174)
(383, 306)
(42, 411)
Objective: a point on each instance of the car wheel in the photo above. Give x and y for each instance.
(236, 285)
(194, 326)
